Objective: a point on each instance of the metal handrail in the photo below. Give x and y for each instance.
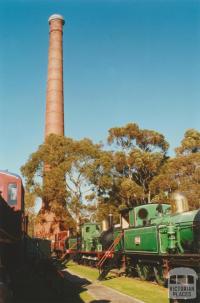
(110, 250)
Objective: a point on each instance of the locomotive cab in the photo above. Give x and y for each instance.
(142, 215)
(90, 233)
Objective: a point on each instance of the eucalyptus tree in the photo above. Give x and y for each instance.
(182, 172)
(138, 157)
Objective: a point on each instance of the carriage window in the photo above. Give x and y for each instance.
(87, 229)
(12, 194)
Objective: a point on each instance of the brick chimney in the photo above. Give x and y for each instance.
(54, 121)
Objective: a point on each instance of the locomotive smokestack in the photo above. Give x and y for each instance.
(54, 122)
(110, 220)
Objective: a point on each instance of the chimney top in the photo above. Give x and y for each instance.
(56, 16)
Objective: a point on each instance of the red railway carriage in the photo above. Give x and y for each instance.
(11, 207)
(12, 190)
(12, 220)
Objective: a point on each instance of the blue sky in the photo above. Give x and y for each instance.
(124, 61)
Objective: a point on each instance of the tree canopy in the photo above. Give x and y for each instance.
(139, 157)
(182, 172)
(78, 180)
(190, 143)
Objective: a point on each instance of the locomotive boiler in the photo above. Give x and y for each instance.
(150, 240)
(158, 237)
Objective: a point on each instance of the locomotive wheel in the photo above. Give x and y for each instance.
(144, 272)
(158, 272)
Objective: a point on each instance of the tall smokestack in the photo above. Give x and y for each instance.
(54, 122)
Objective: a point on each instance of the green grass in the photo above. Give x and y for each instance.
(86, 297)
(145, 291)
(87, 272)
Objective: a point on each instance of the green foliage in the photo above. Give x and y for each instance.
(29, 211)
(139, 157)
(60, 172)
(190, 143)
(182, 174)
(81, 181)
(131, 136)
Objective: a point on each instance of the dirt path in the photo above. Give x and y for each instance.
(101, 293)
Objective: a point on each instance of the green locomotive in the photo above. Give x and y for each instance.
(158, 237)
(92, 243)
(150, 240)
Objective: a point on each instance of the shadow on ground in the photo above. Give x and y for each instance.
(42, 283)
(81, 284)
